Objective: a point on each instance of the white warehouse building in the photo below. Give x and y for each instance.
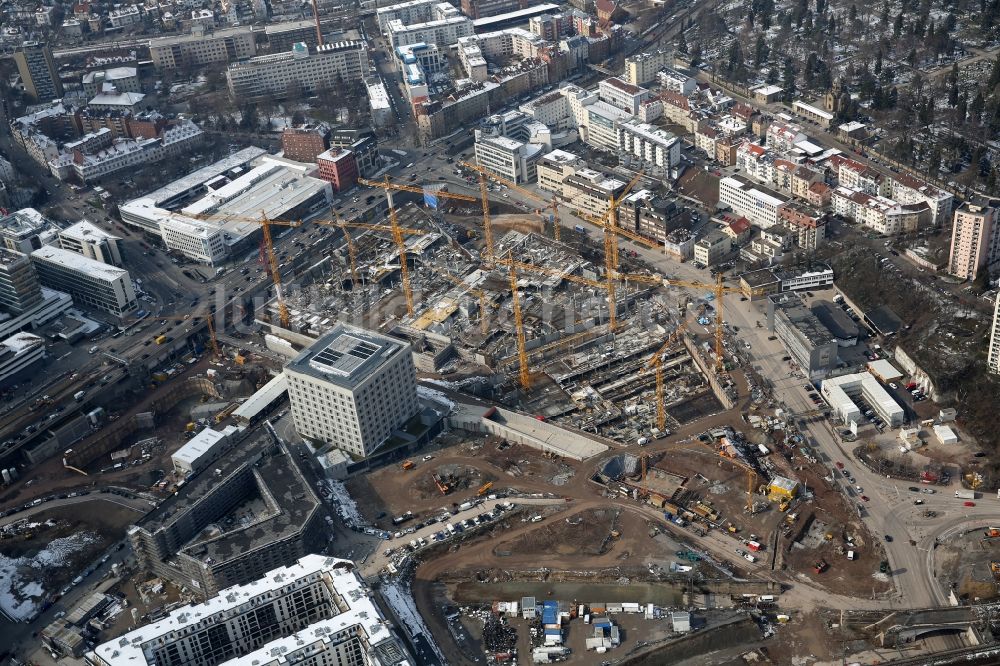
(842, 393)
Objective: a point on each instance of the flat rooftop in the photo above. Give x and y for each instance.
(85, 231)
(293, 503)
(346, 355)
(79, 263)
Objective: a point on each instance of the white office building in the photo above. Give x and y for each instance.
(92, 242)
(90, 283)
(352, 388)
(622, 95)
(19, 353)
(211, 213)
(650, 144)
(508, 158)
(442, 32)
(750, 200)
(309, 70)
(844, 394)
(316, 612)
(202, 47)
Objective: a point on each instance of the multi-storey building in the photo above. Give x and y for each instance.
(757, 204)
(25, 230)
(807, 223)
(281, 36)
(20, 290)
(339, 167)
(304, 143)
(440, 32)
(858, 176)
(755, 161)
(884, 216)
(601, 127)
(38, 72)
(650, 144)
(201, 48)
(906, 189)
(89, 282)
(316, 611)
(677, 81)
(92, 242)
(622, 95)
(782, 137)
(641, 69)
(589, 191)
(550, 27)
(166, 541)
(86, 162)
(482, 8)
(414, 11)
(993, 355)
(553, 168)
(124, 79)
(805, 337)
(307, 70)
(974, 240)
(352, 388)
(18, 355)
(712, 248)
(508, 158)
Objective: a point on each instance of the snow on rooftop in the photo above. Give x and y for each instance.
(79, 263)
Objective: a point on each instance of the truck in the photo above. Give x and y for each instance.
(408, 464)
(754, 546)
(965, 494)
(78, 396)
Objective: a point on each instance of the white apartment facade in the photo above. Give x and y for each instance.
(352, 388)
(310, 69)
(677, 81)
(89, 240)
(196, 49)
(508, 158)
(909, 190)
(622, 95)
(884, 216)
(753, 202)
(315, 612)
(648, 143)
(442, 32)
(642, 68)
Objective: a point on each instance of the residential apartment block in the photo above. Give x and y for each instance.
(650, 144)
(993, 355)
(975, 240)
(641, 69)
(305, 70)
(38, 72)
(882, 215)
(625, 96)
(712, 248)
(201, 48)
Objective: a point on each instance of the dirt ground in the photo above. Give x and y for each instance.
(104, 520)
(965, 561)
(466, 463)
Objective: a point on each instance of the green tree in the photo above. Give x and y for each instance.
(760, 51)
(897, 26)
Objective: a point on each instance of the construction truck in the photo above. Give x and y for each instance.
(409, 464)
(991, 533)
(443, 486)
(485, 488)
(820, 566)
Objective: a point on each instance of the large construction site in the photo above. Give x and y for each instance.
(494, 305)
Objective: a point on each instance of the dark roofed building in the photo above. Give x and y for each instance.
(883, 321)
(837, 322)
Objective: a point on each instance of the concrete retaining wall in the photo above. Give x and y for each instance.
(706, 370)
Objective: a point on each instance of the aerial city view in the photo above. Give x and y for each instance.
(444, 333)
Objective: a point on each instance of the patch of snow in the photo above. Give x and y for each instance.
(346, 506)
(21, 596)
(435, 396)
(397, 595)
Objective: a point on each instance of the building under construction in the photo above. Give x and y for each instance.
(583, 373)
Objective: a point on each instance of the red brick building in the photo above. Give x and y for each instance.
(339, 167)
(305, 142)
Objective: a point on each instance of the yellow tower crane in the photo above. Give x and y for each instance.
(351, 253)
(397, 234)
(750, 471)
(479, 293)
(719, 290)
(265, 227)
(551, 203)
(611, 247)
(522, 354)
(656, 363)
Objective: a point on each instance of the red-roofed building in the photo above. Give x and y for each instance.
(819, 195)
(736, 227)
(609, 11)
